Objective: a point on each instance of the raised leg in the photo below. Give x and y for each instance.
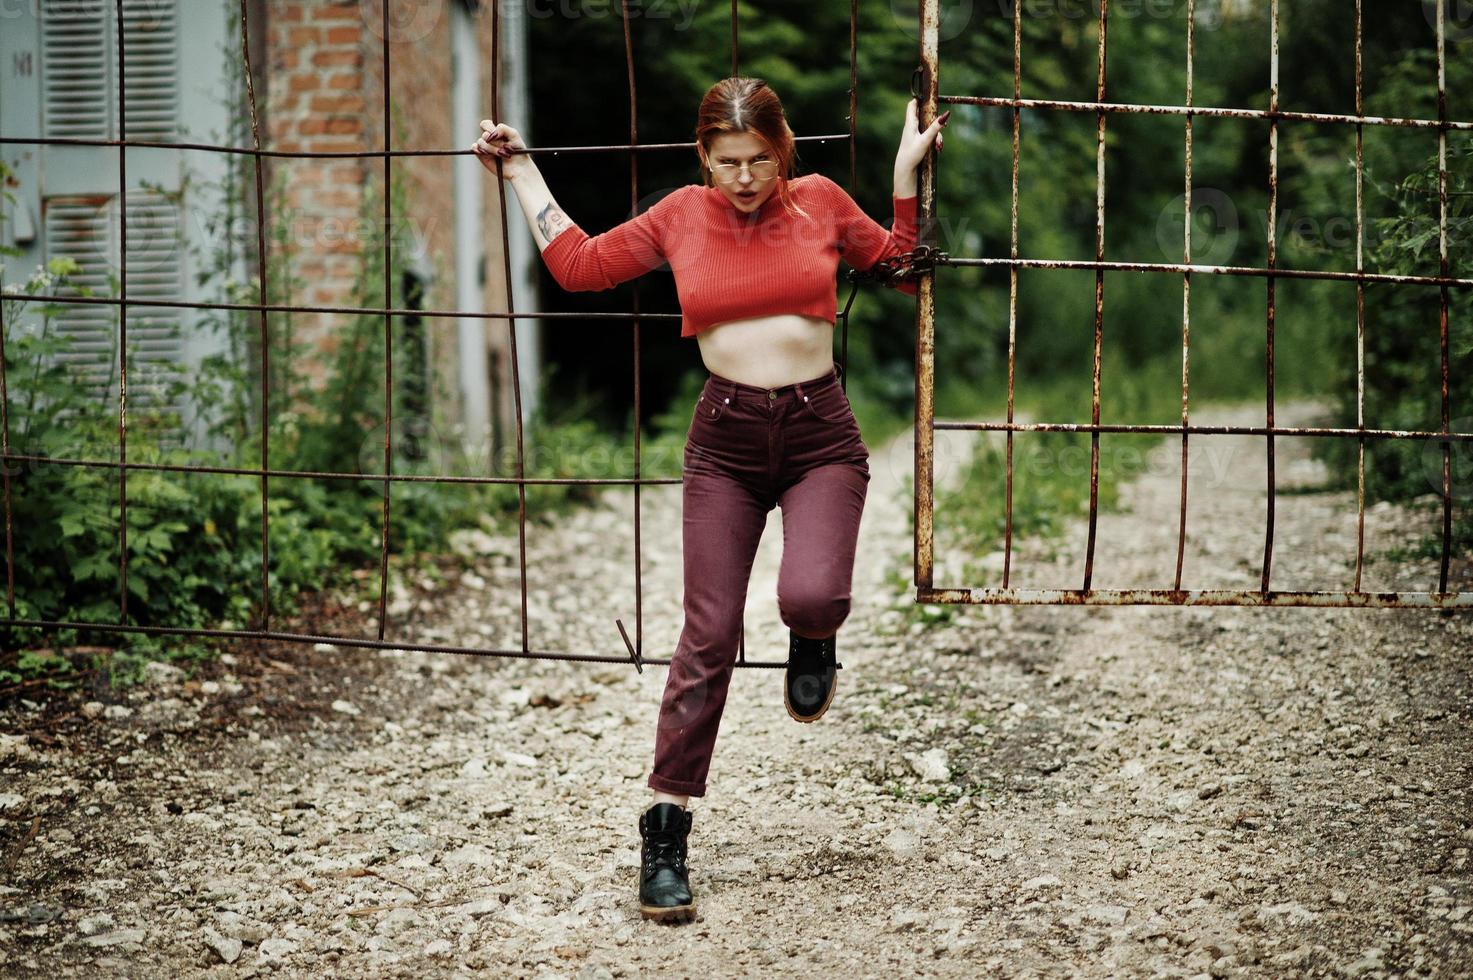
(821, 514)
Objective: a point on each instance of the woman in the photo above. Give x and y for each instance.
(754, 252)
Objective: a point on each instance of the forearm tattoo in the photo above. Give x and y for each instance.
(551, 220)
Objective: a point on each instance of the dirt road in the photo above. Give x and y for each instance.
(1020, 791)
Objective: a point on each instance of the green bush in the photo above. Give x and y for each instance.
(1402, 357)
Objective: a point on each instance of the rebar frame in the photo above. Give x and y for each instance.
(383, 640)
(925, 421)
(928, 101)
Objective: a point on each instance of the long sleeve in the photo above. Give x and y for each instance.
(864, 241)
(624, 252)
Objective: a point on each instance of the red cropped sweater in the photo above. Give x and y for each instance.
(729, 265)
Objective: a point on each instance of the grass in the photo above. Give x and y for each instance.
(1051, 470)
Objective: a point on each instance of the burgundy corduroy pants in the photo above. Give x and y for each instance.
(749, 449)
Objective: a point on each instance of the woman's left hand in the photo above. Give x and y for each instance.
(916, 143)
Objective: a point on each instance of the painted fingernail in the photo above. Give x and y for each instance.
(944, 116)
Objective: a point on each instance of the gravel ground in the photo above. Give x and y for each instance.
(1012, 791)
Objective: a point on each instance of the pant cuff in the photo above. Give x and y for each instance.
(676, 786)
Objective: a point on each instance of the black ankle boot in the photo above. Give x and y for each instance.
(664, 882)
(809, 681)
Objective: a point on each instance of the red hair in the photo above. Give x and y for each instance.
(748, 105)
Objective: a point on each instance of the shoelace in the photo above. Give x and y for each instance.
(815, 650)
(664, 850)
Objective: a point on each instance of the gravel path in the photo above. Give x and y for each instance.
(1014, 791)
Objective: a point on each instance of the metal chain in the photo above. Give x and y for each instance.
(904, 267)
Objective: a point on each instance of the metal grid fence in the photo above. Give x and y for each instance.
(929, 98)
(262, 628)
(1102, 109)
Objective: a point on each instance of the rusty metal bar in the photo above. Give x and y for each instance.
(734, 68)
(1134, 108)
(349, 641)
(376, 154)
(1451, 282)
(1360, 306)
(1094, 393)
(1273, 254)
(637, 651)
(245, 51)
(735, 60)
(1144, 428)
(516, 374)
(1442, 269)
(853, 117)
(122, 315)
(1186, 294)
(5, 464)
(386, 118)
(929, 20)
(1197, 597)
(1007, 547)
(369, 310)
(329, 475)
(853, 107)
(1234, 430)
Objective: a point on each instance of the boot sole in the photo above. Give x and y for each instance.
(668, 913)
(806, 719)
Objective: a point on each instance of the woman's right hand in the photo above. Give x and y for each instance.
(498, 141)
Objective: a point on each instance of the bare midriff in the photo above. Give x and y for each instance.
(769, 351)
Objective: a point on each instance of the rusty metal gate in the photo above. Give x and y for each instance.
(926, 425)
(262, 629)
(922, 265)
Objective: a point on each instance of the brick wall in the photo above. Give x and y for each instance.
(325, 93)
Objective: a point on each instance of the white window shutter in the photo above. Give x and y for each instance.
(80, 99)
(76, 58)
(155, 335)
(89, 232)
(83, 230)
(150, 35)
